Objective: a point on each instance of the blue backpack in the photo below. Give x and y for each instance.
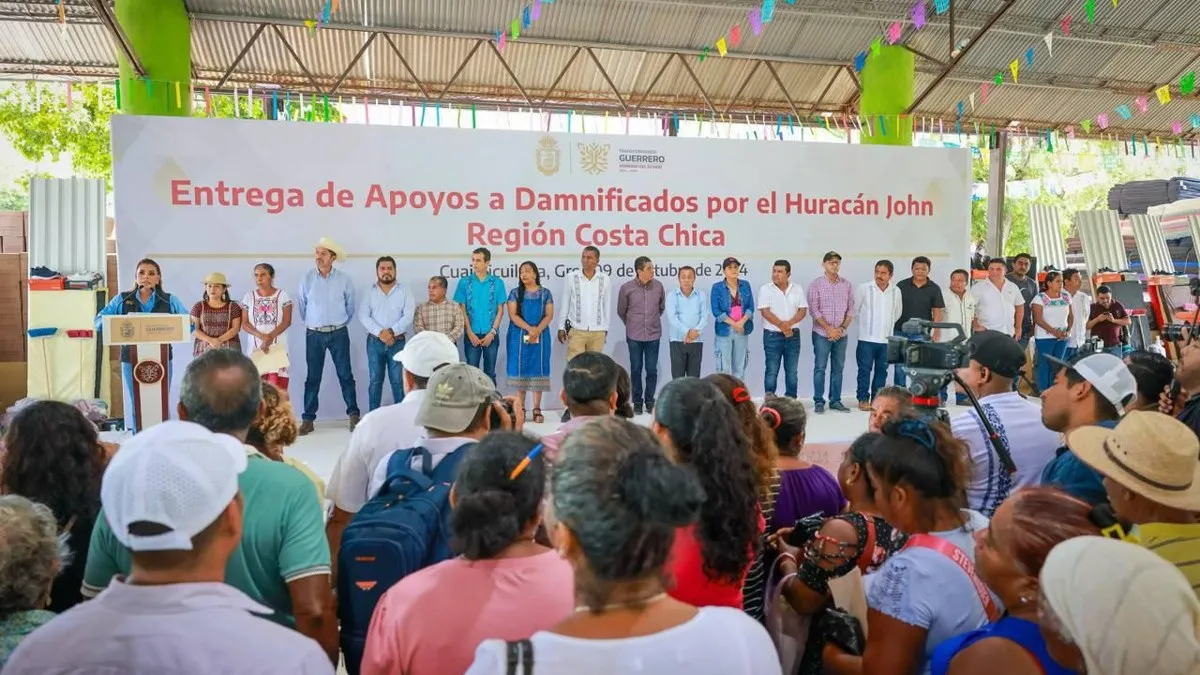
(401, 530)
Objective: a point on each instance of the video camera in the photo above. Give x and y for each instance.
(933, 365)
(930, 364)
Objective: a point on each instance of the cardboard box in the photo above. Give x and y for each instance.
(12, 383)
(12, 223)
(12, 244)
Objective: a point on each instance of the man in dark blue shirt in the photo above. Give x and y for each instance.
(1092, 390)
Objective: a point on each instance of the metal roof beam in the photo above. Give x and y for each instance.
(742, 88)
(604, 74)
(828, 86)
(407, 68)
(288, 46)
(782, 89)
(507, 69)
(241, 55)
(961, 55)
(462, 66)
(699, 86)
(118, 35)
(554, 42)
(561, 74)
(666, 62)
(353, 62)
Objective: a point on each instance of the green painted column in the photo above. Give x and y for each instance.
(888, 81)
(161, 36)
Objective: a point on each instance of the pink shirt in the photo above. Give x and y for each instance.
(431, 622)
(553, 442)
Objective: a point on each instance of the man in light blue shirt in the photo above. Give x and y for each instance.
(326, 303)
(387, 314)
(482, 297)
(687, 315)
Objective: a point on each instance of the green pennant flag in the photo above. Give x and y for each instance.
(999, 79)
(1087, 126)
(876, 45)
(1089, 8)
(1187, 83)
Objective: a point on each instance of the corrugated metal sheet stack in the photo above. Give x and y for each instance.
(1136, 197)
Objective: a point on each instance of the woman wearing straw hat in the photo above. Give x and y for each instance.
(217, 319)
(1152, 476)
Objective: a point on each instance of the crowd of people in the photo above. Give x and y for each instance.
(704, 543)
(1057, 316)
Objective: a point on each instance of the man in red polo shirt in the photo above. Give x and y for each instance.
(1106, 320)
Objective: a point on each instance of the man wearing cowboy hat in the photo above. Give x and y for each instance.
(1151, 468)
(326, 303)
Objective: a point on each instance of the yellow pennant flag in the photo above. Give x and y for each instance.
(721, 48)
(1014, 67)
(1164, 94)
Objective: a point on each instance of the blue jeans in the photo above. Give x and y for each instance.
(732, 353)
(1117, 351)
(643, 353)
(870, 355)
(1047, 347)
(380, 361)
(486, 355)
(337, 343)
(825, 352)
(1070, 353)
(786, 350)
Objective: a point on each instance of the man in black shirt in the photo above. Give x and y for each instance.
(1187, 374)
(921, 299)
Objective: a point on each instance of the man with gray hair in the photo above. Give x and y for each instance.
(171, 498)
(31, 555)
(439, 313)
(283, 562)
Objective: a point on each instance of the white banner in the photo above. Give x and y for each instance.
(203, 196)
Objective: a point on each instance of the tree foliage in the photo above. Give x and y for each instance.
(43, 123)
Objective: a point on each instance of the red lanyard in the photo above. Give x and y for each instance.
(956, 556)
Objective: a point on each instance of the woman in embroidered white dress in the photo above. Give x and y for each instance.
(269, 314)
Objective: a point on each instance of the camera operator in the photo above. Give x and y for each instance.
(996, 359)
(1186, 405)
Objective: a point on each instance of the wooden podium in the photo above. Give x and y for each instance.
(148, 336)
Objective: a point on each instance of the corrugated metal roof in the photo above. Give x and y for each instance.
(1131, 49)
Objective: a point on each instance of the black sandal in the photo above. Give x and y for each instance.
(537, 416)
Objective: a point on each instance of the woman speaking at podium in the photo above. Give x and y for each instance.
(146, 297)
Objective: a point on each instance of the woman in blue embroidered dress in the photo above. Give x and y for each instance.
(1009, 554)
(530, 311)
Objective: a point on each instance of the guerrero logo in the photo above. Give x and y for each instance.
(634, 160)
(126, 330)
(593, 158)
(547, 156)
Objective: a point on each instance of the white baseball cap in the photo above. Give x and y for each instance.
(425, 351)
(176, 474)
(1107, 374)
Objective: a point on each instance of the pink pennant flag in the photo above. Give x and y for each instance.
(983, 90)
(69, 94)
(755, 18)
(735, 35)
(894, 31)
(1142, 104)
(1102, 120)
(1066, 26)
(503, 41)
(918, 14)
(1177, 128)
(536, 10)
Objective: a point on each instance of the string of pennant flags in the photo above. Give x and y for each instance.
(512, 30)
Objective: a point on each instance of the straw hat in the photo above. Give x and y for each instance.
(333, 247)
(1151, 454)
(216, 278)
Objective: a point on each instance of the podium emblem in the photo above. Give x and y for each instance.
(126, 329)
(149, 372)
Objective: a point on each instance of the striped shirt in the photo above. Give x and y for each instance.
(754, 588)
(1178, 544)
(444, 317)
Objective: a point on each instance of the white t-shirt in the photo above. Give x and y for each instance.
(995, 307)
(782, 304)
(878, 311)
(380, 433)
(1018, 421)
(1081, 305)
(265, 313)
(717, 641)
(924, 588)
(1055, 311)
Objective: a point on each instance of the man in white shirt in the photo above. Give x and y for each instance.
(171, 498)
(783, 306)
(879, 305)
(355, 478)
(960, 309)
(1081, 307)
(995, 360)
(583, 308)
(1000, 305)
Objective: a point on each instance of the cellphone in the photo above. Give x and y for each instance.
(1174, 390)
